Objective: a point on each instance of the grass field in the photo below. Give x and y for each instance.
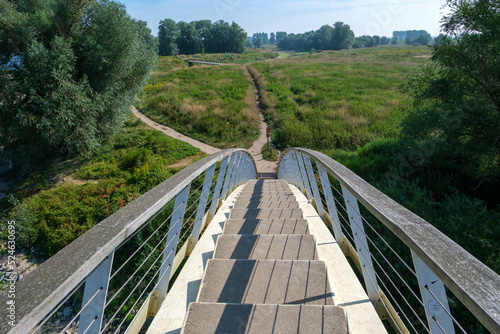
(340, 99)
(214, 104)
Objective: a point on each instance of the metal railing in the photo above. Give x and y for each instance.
(407, 286)
(116, 275)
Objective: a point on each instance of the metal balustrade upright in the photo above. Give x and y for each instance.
(88, 263)
(92, 315)
(200, 211)
(218, 186)
(330, 202)
(432, 269)
(314, 185)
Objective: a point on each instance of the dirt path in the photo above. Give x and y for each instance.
(263, 166)
(172, 133)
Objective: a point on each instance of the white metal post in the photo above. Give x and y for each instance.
(303, 175)
(361, 244)
(314, 185)
(171, 243)
(229, 173)
(202, 204)
(288, 170)
(244, 170)
(91, 317)
(218, 186)
(236, 170)
(434, 310)
(330, 203)
(297, 172)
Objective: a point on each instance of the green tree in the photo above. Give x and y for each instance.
(168, 32)
(342, 36)
(457, 97)
(69, 71)
(325, 34)
(280, 35)
(226, 38)
(204, 28)
(272, 38)
(257, 42)
(189, 40)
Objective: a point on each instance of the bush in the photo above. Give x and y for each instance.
(134, 162)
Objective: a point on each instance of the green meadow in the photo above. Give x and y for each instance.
(214, 104)
(341, 99)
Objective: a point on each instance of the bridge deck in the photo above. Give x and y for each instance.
(265, 275)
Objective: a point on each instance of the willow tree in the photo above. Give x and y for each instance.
(69, 70)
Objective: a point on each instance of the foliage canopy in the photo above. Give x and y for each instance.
(69, 71)
(200, 36)
(458, 94)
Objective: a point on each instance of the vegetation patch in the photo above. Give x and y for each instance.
(338, 99)
(214, 104)
(269, 153)
(49, 217)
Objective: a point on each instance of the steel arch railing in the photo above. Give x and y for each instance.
(336, 192)
(119, 271)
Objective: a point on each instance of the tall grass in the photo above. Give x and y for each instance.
(214, 104)
(336, 99)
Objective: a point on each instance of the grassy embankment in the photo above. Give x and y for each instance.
(214, 104)
(63, 199)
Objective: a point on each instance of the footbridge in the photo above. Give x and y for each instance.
(213, 249)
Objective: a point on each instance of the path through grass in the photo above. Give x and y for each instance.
(213, 104)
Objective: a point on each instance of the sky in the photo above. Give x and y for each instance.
(365, 17)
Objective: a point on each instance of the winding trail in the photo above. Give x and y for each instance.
(265, 168)
(172, 133)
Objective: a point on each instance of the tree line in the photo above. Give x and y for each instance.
(336, 37)
(200, 36)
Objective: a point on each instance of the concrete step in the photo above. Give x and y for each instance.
(245, 199)
(266, 214)
(267, 183)
(266, 282)
(267, 193)
(266, 247)
(243, 205)
(218, 318)
(266, 226)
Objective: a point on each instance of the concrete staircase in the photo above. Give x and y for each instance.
(265, 276)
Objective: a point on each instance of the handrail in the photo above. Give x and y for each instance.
(472, 282)
(41, 291)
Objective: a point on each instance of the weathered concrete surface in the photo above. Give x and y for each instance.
(260, 319)
(265, 282)
(266, 247)
(266, 226)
